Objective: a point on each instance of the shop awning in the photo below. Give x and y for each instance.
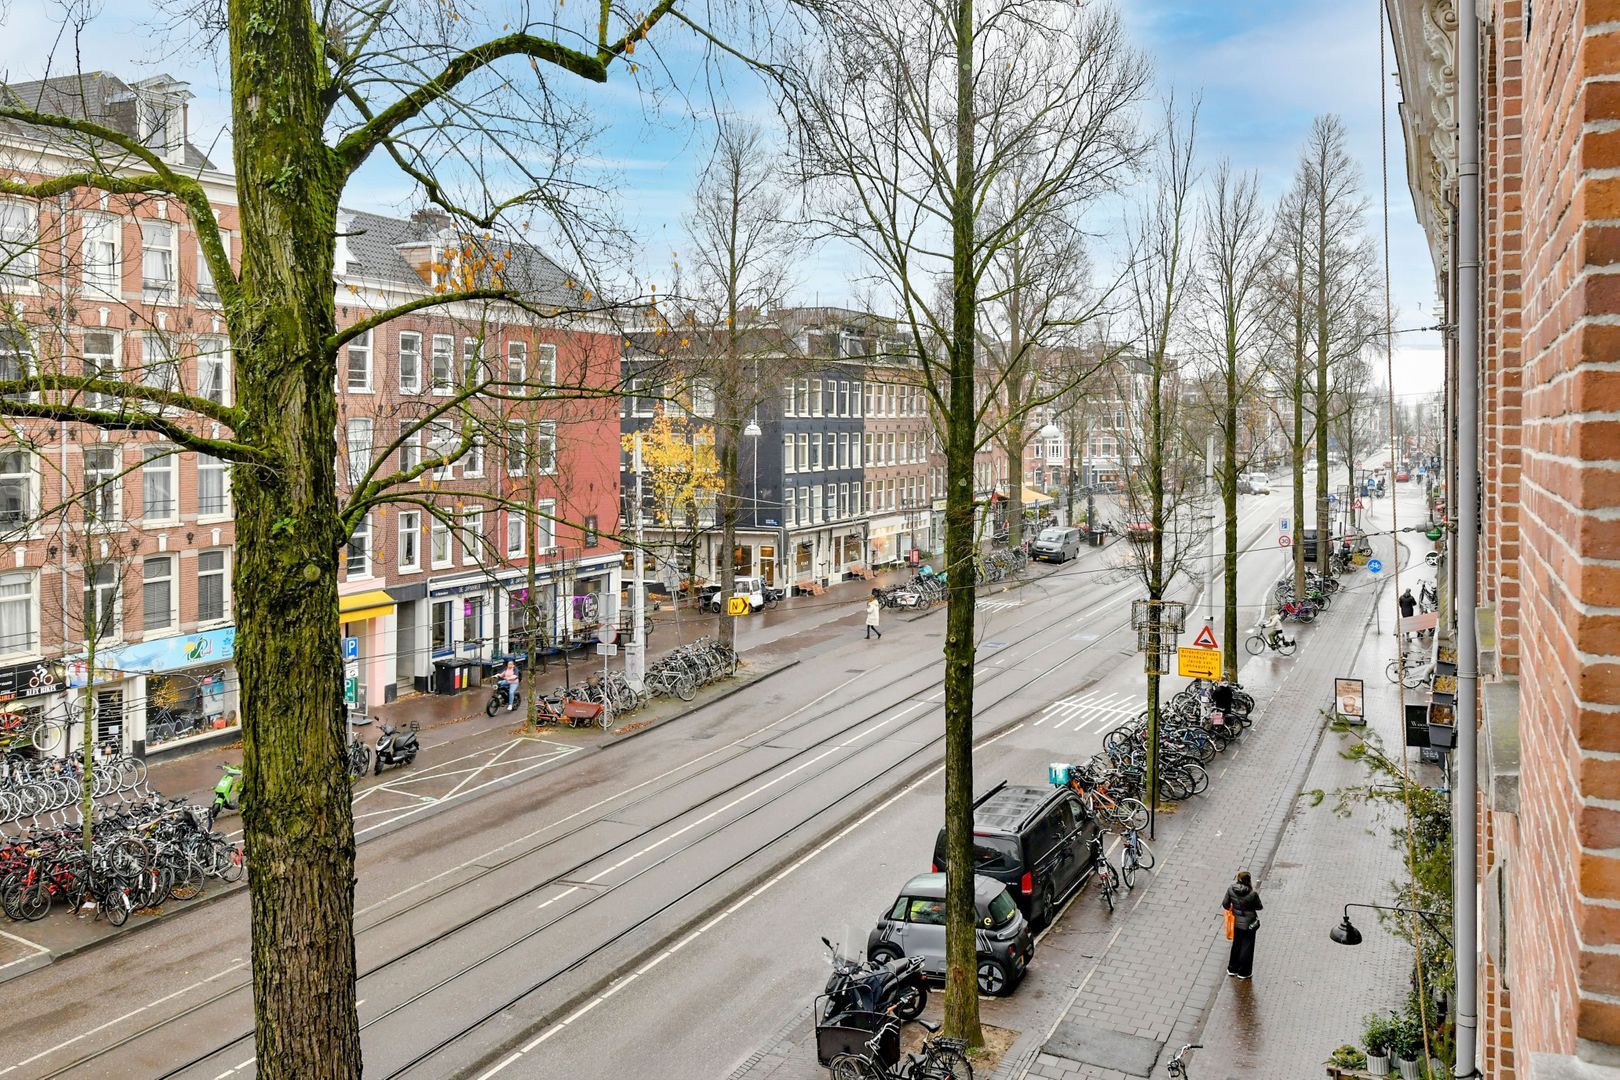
(1035, 498)
(357, 607)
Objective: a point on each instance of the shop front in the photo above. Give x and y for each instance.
(366, 622)
(159, 696)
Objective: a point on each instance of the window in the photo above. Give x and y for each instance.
(472, 462)
(804, 506)
(804, 452)
(157, 593)
(517, 530)
(100, 362)
(157, 260)
(358, 561)
(16, 489)
(815, 397)
(157, 483)
(205, 273)
(357, 441)
(442, 442)
(159, 368)
(443, 616)
(16, 613)
(19, 243)
(843, 398)
(545, 525)
(100, 483)
(444, 362)
(787, 398)
(856, 392)
(410, 363)
(472, 360)
(815, 504)
(157, 124)
(213, 486)
(804, 398)
(815, 451)
(867, 459)
(101, 607)
(472, 534)
(787, 453)
(439, 544)
(103, 268)
(213, 369)
(702, 399)
(843, 450)
(545, 365)
(517, 362)
(790, 508)
(409, 552)
(211, 590)
(360, 363)
(545, 447)
(517, 448)
(641, 401)
(16, 361)
(410, 445)
(843, 500)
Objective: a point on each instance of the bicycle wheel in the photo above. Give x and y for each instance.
(1127, 868)
(685, 687)
(1392, 671)
(1287, 646)
(188, 880)
(855, 1067)
(115, 904)
(943, 1063)
(1133, 813)
(1144, 854)
(1108, 887)
(48, 735)
(1256, 644)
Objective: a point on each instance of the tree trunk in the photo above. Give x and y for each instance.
(296, 816)
(725, 438)
(1015, 496)
(1229, 530)
(87, 799)
(1299, 481)
(961, 914)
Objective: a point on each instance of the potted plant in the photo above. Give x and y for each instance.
(1376, 1037)
(1406, 1045)
(1347, 1057)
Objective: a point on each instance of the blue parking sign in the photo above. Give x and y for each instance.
(351, 648)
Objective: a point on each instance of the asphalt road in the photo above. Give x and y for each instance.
(655, 909)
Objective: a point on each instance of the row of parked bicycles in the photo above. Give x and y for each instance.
(604, 699)
(930, 586)
(32, 786)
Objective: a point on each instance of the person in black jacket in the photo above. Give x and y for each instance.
(1243, 901)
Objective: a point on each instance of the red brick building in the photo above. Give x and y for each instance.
(1549, 546)
(123, 539)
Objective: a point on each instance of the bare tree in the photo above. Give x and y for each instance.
(1232, 263)
(912, 116)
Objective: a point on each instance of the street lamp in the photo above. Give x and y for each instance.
(1347, 934)
(753, 431)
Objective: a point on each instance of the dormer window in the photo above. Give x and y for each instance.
(157, 125)
(160, 115)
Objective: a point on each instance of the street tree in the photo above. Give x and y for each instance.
(1232, 262)
(1288, 326)
(912, 115)
(477, 115)
(681, 484)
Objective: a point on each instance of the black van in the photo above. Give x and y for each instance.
(1035, 840)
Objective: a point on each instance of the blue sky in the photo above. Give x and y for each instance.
(1264, 69)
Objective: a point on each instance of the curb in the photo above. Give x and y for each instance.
(46, 959)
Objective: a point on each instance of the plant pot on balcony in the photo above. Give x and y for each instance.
(1378, 1064)
(1409, 1069)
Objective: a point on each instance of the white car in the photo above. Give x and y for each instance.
(1255, 483)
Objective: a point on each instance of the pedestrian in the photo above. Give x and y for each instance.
(872, 609)
(1408, 604)
(1243, 903)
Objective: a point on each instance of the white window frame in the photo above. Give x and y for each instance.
(30, 604)
(103, 487)
(358, 358)
(363, 534)
(409, 550)
(167, 578)
(100, 230)
(159, 459)
(787, 398)
(545, 524)
(517, 362)
(517, 533)
(153, 288)
(207, 288)
(545, 364)
(410, 445)
(788, 446)
(207, 463)
(410, 344)
(442, 355)
(100, 590)
(471, 526)
(472, 462)
(442, 438)
(95, 368)
(160, 367)
(359, 437)
(214, 369)
(19, 245)
(473, 370)
(30, 491)
(517, 447)
(545, 448)
(440, 532)
(224, 575)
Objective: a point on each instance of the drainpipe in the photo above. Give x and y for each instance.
(1465, 887)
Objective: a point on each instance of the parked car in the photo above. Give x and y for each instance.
(1034, 840)
(914, 925)
(1139, 531)
(1402, 476)
(753, 588)
(1254, 483)
(1056, 545)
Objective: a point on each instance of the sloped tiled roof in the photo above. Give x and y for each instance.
(97, 96)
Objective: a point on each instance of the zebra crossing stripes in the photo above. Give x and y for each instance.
(1088, 710)
(998, 605)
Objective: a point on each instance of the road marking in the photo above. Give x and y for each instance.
(727, 913)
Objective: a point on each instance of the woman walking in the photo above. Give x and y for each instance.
(872, 608)
(1243, 901)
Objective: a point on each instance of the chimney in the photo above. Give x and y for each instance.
(432, 217)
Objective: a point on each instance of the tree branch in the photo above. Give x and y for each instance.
(225, 449)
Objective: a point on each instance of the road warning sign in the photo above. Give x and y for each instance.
(1205, 639)
(1198, 663)
(738, 605)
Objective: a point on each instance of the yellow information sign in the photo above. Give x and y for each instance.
(738, 605)
(1198, 663)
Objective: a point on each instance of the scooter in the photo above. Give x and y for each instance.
(396, 747)
(497, 698)
(875, 986)
(227, 793)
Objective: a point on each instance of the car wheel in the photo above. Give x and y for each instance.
(993, 980)
(883, 954)
(1041, 916)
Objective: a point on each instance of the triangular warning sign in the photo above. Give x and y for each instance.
(1205, 640)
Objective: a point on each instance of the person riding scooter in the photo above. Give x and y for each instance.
(511, 678)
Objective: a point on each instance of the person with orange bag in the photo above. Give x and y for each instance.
(1243, 906)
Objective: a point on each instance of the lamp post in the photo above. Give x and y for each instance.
(1047, 433)
(753, 431)
(1347, 934)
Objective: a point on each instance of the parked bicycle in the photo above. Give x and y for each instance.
(1134, 855)
(1176, 1067)
(1107, 876)
(940, 1059)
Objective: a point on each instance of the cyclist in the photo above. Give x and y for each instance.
(510, 680)
(1272, 629)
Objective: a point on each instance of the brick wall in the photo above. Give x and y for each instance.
(1564, 924)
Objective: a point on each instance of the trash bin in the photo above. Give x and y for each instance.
(454, 676)
(1095, 537)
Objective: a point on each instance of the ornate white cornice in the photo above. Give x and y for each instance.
(1424, 33)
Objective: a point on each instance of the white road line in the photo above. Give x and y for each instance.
(728, 912)
(492, 761)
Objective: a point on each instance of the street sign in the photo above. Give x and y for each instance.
(1374, 565)
(1349, 700)
(1205, 639)
(351, 648)
(1283, 524)
(351, 683)
(1359, 505)
(1332, 497)
(1284, 540)
(738, 605)
(1198, 663)
(604, 649)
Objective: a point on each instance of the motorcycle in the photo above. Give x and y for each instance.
(227, 793)
(396, 747)
(877, 986)
(497, 698)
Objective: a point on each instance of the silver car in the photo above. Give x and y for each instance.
(1056, 545)
(914, 925)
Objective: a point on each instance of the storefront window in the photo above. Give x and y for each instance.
(181, 704)
(472, 621)
(443, 613)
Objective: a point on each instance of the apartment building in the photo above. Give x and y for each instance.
(122, 543)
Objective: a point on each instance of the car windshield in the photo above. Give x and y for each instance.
(1002, 910)
(1051, 536)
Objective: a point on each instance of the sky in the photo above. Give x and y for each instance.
(1263, 70)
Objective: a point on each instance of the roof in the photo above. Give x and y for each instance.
(98, 96)
(932, 886)
(1009, 808)
(374, 244)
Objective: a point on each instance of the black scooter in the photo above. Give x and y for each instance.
(875, 987)
(396, 747)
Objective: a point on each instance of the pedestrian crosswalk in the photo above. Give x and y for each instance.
(998, 605)
(1091, 711)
